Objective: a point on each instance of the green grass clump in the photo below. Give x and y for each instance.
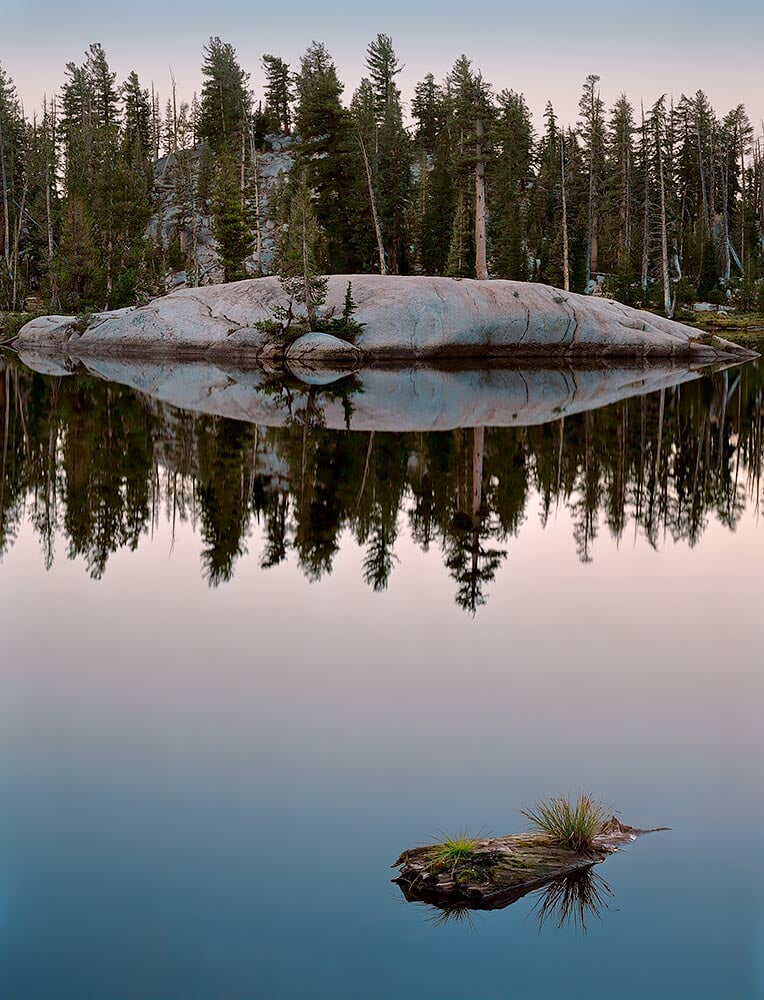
(454, 850)
(572, 824)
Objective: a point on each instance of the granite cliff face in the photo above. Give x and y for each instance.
(402, 318)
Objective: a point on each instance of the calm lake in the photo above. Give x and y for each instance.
(259, 637)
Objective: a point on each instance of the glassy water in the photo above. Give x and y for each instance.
(246, 662)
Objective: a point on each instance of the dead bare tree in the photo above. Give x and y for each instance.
(645, 207)
(373, 205)
(481, 262)
(564, 198)
(668, 304)
(6, 207)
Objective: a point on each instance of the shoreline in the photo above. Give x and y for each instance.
(395, 319)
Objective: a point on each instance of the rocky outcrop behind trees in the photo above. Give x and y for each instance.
(401, 318)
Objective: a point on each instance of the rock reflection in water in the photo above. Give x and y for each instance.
(456, 455)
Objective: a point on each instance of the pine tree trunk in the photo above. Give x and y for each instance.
(481, 264)
(17, 243)
(109, 273)
(242, 171)
(591, 255)
(627, 185)
(155, 127)
(565, 250)
(6, 210)
(667, 303)
(646, 219)
(726, 222)
(174, 115)
(51, 248)
(706, 213)
(743, 205)
(307, 297)
(258, 225)
(423, 180)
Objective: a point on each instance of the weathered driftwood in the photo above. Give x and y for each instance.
(501, 870)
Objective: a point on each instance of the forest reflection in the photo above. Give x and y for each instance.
(99, 464)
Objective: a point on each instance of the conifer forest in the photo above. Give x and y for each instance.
(113, 193)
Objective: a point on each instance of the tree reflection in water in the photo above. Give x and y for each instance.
(99, 464)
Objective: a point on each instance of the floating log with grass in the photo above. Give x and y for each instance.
(566, 836)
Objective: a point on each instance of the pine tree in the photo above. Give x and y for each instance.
(226, 102)
(103, 88)
(429, 112)
(438, 209)
(618, 184)
(434, 195)
(697, 128)
(473, 119)
(300, 257)
(363, 112)
(279, 94)
(78, 267)
(327, 155)
(591, 130)
(77, 127)
(559, 151)
(383, 66)
(657, 123)
(229, 222)
(391, 160)
(43, 207)
(136, 135)
(13, 190)
(510, 180)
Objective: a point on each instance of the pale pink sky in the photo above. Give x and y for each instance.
(545, 51)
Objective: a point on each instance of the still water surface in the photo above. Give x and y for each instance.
(245, 665)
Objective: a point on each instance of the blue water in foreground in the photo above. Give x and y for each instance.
(202, 788)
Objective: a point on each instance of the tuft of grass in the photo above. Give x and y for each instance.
(454, 850)
(566, 822)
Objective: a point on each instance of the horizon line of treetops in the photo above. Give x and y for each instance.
(666, 202)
